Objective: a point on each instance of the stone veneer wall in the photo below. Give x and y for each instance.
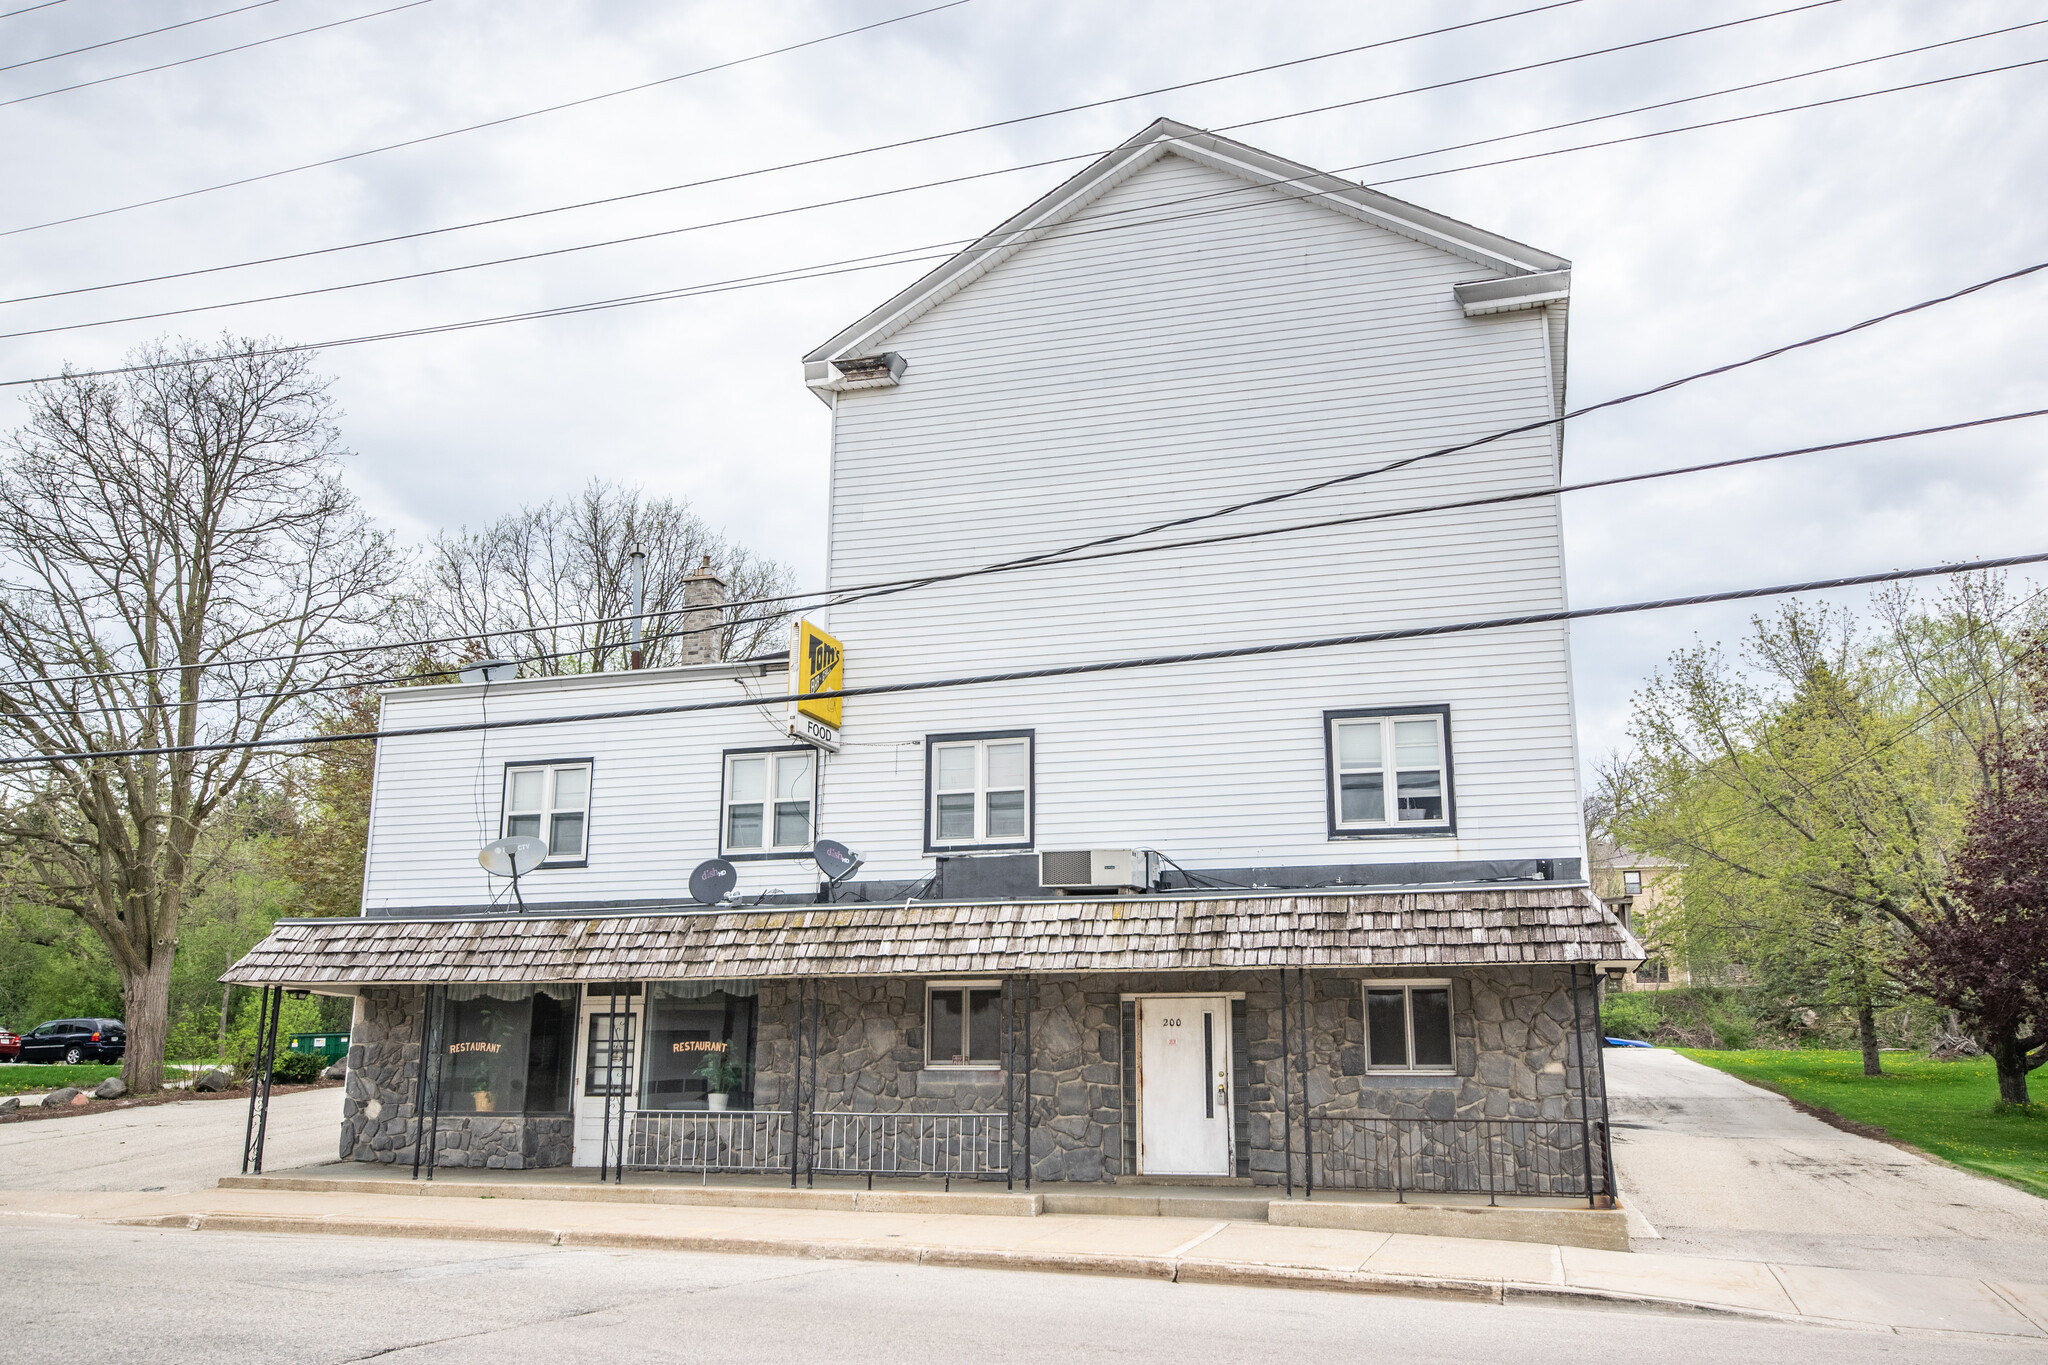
(1513, 1047)
(383, 1081)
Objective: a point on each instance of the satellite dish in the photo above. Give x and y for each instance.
(514, 857)
(488, 670)
(835, 859)
(713, 880)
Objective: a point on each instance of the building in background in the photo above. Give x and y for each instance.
(1642, 891)
(1302, 914)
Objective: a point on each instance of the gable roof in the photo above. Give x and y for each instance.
(1503, 256)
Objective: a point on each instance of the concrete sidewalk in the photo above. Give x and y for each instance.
(1189, 1250)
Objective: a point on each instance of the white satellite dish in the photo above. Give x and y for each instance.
(488, 670)
(514, 858)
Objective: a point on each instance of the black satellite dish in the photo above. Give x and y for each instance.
(713, 880)
(835, 859)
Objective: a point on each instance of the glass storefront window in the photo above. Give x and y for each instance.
(506, 1049)
(690, 1026)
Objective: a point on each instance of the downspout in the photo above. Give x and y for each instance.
(637, 563)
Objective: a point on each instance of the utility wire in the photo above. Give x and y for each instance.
(221, 52)
(31, 9)
(150, 33)
(837, 156)
(842, 595)
(1057, 670)
(937, 251)
(907, 189)
(1078, 156)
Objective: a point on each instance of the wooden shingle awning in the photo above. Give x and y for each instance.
(1465, 928)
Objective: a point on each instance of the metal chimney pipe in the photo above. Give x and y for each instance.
(638, 561)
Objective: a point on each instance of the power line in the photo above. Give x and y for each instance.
(221, 52)
(829, 599)
(844, 594)
(1057, 670)
(812, 161)
(880, 260)
(150, 33)
(47, 4)
(953, 180)
(922, 185)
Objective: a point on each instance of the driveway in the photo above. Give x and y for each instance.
(169, 1147)
(1718, 1167)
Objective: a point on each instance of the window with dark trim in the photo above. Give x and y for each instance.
(963, 1024)
(1408, 1026)
(980, 790)
(768, 801)
(1388, 772)
(550, 801)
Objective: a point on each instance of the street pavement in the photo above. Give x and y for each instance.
(1717, 1167)
(165, 1147)
(179, 1297)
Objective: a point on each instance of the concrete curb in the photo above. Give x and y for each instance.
(713, 1196)
(1181, 1271)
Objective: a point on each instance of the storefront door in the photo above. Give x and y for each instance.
(1184, 1085)
(607, 1067)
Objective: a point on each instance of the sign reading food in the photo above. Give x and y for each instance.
(817, 663)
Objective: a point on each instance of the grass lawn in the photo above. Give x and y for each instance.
(1941, 1107)
(32, 1079)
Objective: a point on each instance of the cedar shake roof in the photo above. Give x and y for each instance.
(1129, 934)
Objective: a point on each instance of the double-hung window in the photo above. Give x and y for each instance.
(1408, 1026)
(768, 799)
(963, 1024)
(1389, 771)
(979, 791)
(550, 801)
(1632, 883)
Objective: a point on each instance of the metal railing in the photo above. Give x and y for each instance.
(702, 1140)
(1493, 1157)
(955, 1146)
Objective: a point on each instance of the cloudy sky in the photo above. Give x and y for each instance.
(1689, 250)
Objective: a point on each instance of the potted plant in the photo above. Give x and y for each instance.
(480, 1093)
(725, 1076)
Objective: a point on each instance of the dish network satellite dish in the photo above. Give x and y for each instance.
(835, 859)
(514, 858)
(712, 881)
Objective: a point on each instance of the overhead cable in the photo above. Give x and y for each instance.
(868, 196)
(1177, 659)
(31, 9)
(836, 156)
(221, 52)
(149, 33)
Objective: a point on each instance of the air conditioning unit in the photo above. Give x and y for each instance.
(1097, 869)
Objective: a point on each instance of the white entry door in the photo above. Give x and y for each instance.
(1184, 1085)
(607, 1065)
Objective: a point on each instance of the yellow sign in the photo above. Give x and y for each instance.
(817, 663)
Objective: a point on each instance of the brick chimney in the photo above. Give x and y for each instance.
(703, 604)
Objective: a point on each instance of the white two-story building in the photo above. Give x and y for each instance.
(1343, 932)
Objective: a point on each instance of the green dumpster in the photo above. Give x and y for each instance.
(326, 1046)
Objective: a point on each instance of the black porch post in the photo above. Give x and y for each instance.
(1600, 1059)
(262, 1022)
(1286, 1100)
(419, 1099)
(796, 1072)
(611, 1063)
(437, 1031)
(817, 1015)
(1009, 1081)
(1585, 1089)
(1308, 1140)
(1030, 998)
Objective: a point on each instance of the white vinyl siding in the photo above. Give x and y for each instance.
(551, 802)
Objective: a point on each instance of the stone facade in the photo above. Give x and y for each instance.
(383, 1082)
(1516, 1067)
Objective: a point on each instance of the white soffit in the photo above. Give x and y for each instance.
(1281, 176)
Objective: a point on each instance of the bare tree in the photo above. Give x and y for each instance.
(566, 560)
(177, 552)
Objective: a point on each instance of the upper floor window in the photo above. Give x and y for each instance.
(1389, 771)
(978, 791)
(1632, 883)
(769, 795)
(550, 801)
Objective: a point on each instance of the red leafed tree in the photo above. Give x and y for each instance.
(1987, 957)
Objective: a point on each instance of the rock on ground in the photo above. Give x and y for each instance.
(215, 1079)
(337, 1072)
(57, 1099)
(10, 1104)
(112, 1088)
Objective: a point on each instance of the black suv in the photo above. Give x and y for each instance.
(76, 1040)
